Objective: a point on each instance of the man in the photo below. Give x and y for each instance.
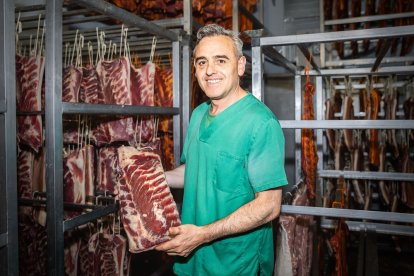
(233, 167)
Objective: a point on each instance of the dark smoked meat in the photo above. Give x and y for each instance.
(147, 207)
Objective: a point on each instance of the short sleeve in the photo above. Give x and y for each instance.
(266, 159)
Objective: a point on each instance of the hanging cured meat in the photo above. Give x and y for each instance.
(39, 184)
(115, 83)
(142, 92)
(83, 264)
(163, 95)
(147, 207)
(338, 243)
(391, 105)
(25, 161)
(89, 171)
(90, 88)
(294, 241)
(32, 244)
(309, 156)
(340, 11)
(29, 79)
(106, 254)
(355, 12)
(373, 133)
(74, 176)
(71, 252)
(369, 10)
(107, 175)
(72, 79)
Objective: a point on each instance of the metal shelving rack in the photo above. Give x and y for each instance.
(9, 264)
(55, 109)
(262, 46)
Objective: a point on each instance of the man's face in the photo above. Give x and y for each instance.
(217, 67)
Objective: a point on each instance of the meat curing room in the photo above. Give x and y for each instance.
(202, 137)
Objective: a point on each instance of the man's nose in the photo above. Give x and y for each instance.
(211, 69)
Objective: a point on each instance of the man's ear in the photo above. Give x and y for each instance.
(241, 66)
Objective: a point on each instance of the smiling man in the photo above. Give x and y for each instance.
(232, 171)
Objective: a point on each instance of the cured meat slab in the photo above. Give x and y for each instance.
(114, 81)
(142, 91)
(29, 78)
(148, 209)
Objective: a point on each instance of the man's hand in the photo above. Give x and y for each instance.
(185, 238)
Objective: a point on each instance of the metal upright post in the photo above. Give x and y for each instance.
(298, 116)
(319, 133)
(257, 70)
(188, 16)
(177, 99)
(9, 263)
(54, 144)
(186, 88)
(235, 17)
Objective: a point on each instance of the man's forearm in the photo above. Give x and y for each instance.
(175, 178)
(264, 208)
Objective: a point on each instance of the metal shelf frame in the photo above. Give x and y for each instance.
(56, 226)
(259, 46)
(9, 259)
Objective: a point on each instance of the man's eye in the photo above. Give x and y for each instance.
(221, 61)
(201, 63)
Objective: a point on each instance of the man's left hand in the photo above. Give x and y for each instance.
(185, 238)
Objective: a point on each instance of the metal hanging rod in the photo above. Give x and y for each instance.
(368, 61)
(389, 32)
(348, 213)
(380, 228)
(388, 176)
(348, 124)
(110, 109)
(361, 19)
(403, 70)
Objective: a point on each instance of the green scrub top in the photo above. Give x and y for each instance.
(240, 153)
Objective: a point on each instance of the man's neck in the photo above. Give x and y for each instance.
(217, 106)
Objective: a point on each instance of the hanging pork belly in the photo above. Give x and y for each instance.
(107, 175)
(142, 92)
(29, 79)
(147, 207)
(25, 161)
(39, 184)
(32, 244)
(106, 254)
(72, 79)
(74, 175)
(71, 253)
(114, 76)
(295, 240)
(90, 88)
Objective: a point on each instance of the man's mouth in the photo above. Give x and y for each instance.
(213, 81)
